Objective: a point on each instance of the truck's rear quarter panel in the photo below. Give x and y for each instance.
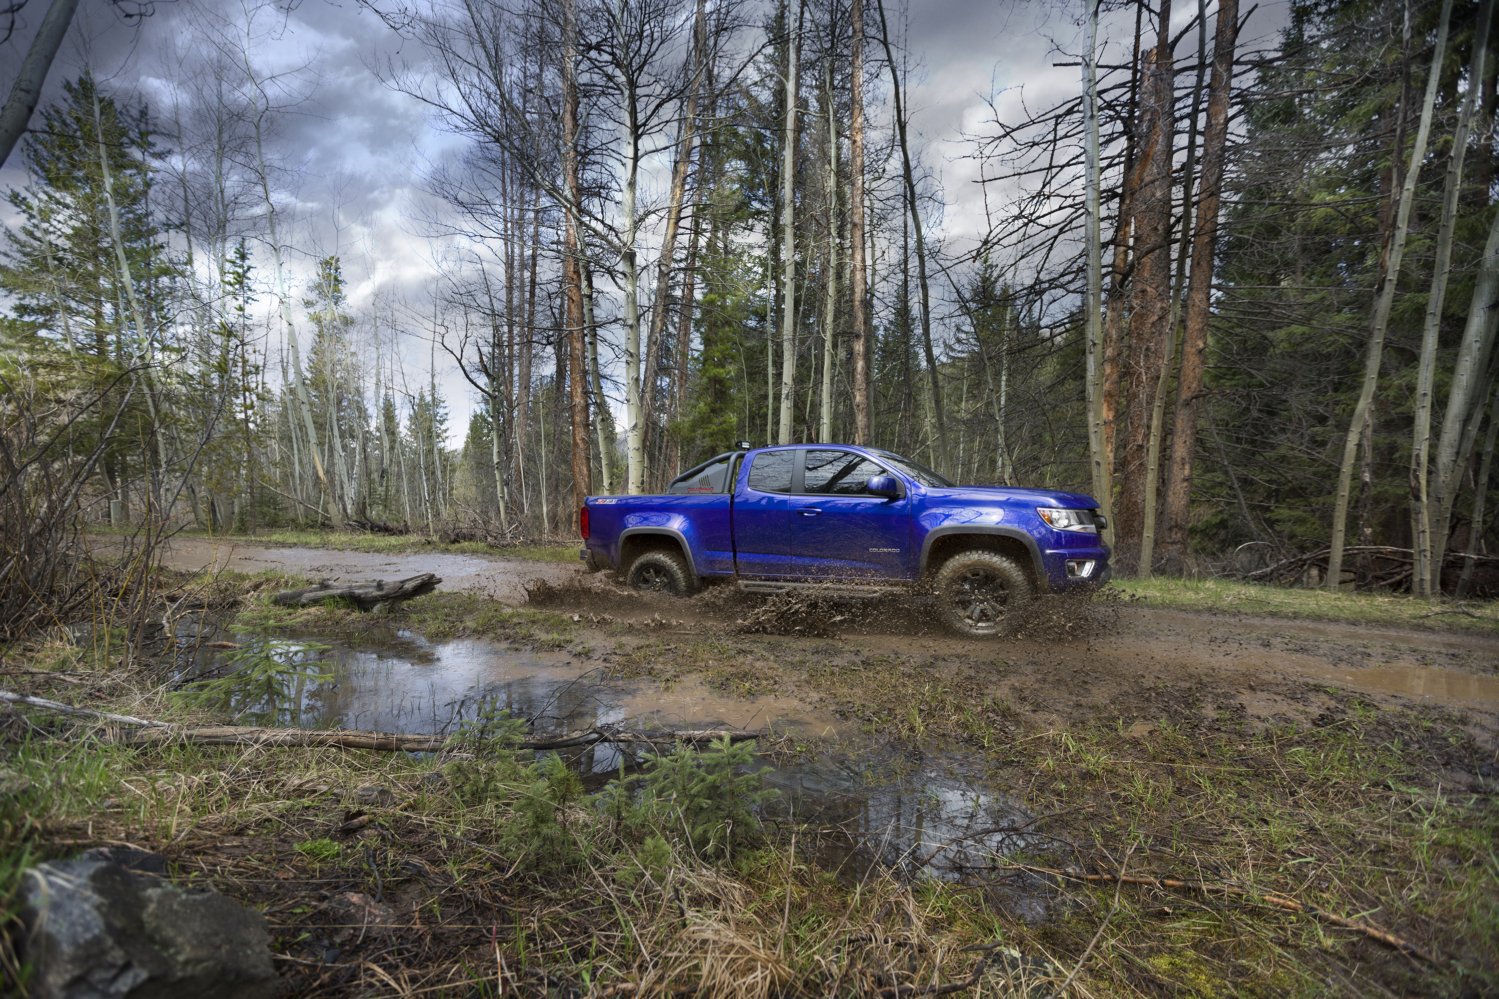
(699, 522)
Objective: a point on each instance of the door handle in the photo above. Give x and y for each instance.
(810, 511)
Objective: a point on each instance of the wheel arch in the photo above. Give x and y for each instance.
(635, 541)
(945, 542)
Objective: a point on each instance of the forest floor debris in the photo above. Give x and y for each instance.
(1143, 744)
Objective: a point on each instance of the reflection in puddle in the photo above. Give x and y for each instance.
(409, 685)
(929, 819)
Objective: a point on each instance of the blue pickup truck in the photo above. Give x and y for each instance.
(850, 519)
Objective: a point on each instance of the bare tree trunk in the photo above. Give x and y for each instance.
(680, 168)
(1465, 398)
(1200, 285)
(582, 479)
(27, 88)
(1480, 498)
(1150, 290)
(601, 422)
(1100, 461)
(830, 304)
(1426, 569)
(857, 277)
(1119, 273)
(1154, 440)
(1385, 300)
(788, 227)
(936, 410)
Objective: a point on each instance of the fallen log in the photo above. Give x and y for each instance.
(365, 596)
(148, 731)
(58, 707)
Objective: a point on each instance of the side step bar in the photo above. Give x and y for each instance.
(829, 588)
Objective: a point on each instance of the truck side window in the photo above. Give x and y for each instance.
(770, 472)
(839, 472)
(711, 478)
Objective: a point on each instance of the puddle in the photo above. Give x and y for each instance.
(410, 685)
(876, 808)
(926, 820)
(1424, 683)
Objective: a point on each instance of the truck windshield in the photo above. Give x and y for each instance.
(919, 472)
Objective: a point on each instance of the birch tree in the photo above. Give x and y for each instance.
(1392, 256)
(1426, 568)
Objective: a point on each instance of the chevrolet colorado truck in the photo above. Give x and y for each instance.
(854, 520)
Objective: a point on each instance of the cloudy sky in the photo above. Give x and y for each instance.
(354, 150)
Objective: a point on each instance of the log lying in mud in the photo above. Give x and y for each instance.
(146, 730)
(365, 596)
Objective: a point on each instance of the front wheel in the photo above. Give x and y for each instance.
(979, 591)
(660, 571)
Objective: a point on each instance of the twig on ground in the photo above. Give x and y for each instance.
(1272, 899)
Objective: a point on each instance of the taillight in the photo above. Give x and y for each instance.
(583, 521)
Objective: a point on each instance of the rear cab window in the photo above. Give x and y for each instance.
(710, 477)
(771, 471)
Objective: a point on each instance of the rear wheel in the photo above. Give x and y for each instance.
(978, 592)
(660, 571)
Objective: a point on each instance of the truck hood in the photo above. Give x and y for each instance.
(1001, 494)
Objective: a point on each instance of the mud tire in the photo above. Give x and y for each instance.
(979, 591)
(660, 571)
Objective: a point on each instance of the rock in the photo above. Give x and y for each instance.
(97, 927)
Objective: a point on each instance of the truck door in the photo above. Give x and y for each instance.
(763, 515)
(840, 530)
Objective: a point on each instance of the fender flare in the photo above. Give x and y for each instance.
(1038, 565)
(659, 532)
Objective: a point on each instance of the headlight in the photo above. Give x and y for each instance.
(1069, 520)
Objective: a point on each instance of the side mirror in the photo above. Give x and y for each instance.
(887, 486)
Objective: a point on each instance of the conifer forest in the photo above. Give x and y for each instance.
(321, 320)
(1242, 295)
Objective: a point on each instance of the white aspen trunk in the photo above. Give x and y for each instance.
(1426, 568)
(1383, 304)
(830, 306)
(297, 396)
(859, 311)
(1480, 498)
(1002, 405)
(788, 230)
(144, 349)
(27, 88)
(634, 423)
(1464, 402)
(1099, 464)
(602, 423)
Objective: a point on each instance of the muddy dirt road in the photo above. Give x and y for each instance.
(491, 576)
(1122, 655)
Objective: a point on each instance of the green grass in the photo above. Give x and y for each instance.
(1217, 596)
(358, 541)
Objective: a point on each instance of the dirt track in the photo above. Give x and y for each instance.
(1115, 655)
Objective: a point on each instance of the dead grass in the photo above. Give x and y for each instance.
(1379, 609)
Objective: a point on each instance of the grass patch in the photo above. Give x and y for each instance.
(358, 541)
(1217, 596)
(493, 872)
